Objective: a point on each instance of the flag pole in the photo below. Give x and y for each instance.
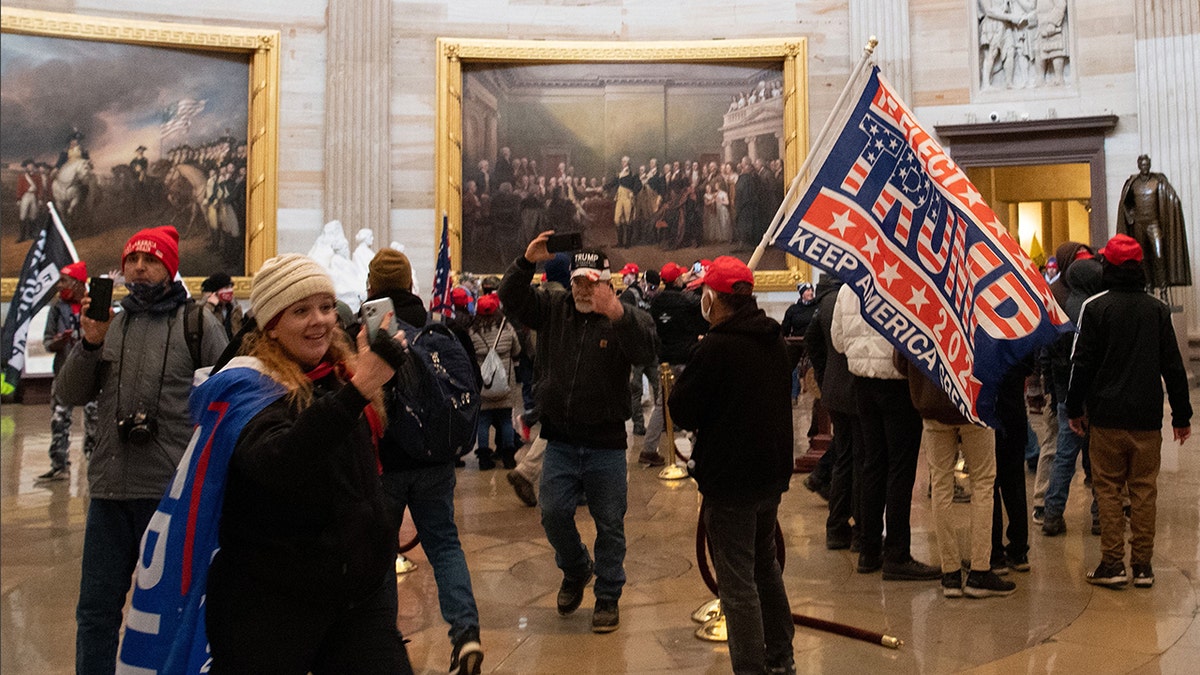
(777, 221)
(62, 231)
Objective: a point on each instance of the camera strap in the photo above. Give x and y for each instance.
(162, 373)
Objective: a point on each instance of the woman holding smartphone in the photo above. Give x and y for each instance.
(303, 581)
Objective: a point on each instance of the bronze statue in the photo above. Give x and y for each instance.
(1150, 212)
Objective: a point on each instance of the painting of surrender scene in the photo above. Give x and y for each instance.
(653, 162)
(119, 137)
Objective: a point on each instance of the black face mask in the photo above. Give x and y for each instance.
(162, 297)
(147, 294)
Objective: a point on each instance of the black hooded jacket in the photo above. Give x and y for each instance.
(736, 394)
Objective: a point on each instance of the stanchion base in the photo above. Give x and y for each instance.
(816, 447)
(404, 565)
(673, 472)
(891, 642)
(708, 611)
(714, 630)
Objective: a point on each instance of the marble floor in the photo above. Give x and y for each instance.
(1055, 622)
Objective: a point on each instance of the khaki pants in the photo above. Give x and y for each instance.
(1122, 457)
(942, 443)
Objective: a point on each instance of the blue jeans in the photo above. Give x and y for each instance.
(428, 493)
(569, 471)
(501, 418)
(111, 540)
(1065, 456)
(741, 539)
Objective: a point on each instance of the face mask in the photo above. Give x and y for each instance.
(67, 294)
(147, 293)
(706, 303)
(225, 295)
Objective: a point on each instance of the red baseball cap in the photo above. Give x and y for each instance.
(630, 268)
(725, 271)
(160, 242)
(1122, 248)
(487, 305)
(459, 297)
(670, 272)
(76, 270)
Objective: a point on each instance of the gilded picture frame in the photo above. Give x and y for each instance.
(256, 148)
(457, 56)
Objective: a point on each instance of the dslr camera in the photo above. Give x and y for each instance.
(139, 428)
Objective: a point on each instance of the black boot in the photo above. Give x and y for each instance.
(486, 460)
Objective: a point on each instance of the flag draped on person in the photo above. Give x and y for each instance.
(440, 302)
(891, 214)
(178, 117)
(165, 629)
(51, 251)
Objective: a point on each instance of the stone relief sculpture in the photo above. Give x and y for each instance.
(1022, 43)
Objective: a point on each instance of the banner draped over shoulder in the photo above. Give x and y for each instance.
(891, 214)
(165, 629)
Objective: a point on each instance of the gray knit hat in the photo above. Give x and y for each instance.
(283, 280)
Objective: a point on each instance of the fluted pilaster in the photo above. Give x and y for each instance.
(888, 21)
(357, 100)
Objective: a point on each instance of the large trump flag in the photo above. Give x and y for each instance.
(891, 214)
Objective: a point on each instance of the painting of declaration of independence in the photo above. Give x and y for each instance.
(120, 137)
(652, 162)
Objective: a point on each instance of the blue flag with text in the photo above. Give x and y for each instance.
(891, 214)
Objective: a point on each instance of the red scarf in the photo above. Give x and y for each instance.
(324, 369)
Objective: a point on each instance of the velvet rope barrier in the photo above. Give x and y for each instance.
(798, 619)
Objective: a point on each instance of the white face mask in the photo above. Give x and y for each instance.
(707, 296)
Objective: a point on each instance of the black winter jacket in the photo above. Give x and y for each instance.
(679, 324)
(834, 378)
(304, 509)
(1125, 350)
(736, 394)
(585, 360)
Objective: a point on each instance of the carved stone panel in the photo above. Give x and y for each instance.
(1023, 44)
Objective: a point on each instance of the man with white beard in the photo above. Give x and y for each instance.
(587, 341)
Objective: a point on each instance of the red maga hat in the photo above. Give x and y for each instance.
(725, 271)
(1122, 248)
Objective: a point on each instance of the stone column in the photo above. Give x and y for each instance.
(752, 147)
(888, 21)
(1167, 56)
(357, 106)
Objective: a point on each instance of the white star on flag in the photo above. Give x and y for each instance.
(841, 222)
(890, 273)
(918, 299)
(871, 248)
(973, 196)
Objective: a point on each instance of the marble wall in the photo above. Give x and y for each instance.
(1138, 61)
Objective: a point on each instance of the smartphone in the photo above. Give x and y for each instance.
(372, 312)
(567, 241)
(100, 291)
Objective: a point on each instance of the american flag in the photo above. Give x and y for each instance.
(891, 214)
(440, 302)
(178, 117)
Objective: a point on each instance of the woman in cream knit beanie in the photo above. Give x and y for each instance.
(283, 280)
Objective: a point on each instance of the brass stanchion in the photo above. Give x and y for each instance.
(666, 444)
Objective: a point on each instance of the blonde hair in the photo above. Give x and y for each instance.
(284, 369)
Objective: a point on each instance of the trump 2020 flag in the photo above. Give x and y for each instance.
(165, 630)
(891, 214)
(50, 252)
(441, 275)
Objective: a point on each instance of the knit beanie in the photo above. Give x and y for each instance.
(76, 270)
(160, 242)
(389, 270)
(283, 280)
(216, 282)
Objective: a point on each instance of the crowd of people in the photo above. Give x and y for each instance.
(318, 464)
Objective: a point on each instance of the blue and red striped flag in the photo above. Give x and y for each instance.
(891, 214)
(440, 302)
(165, 628)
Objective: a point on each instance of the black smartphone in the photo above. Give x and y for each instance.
(567, 241)
(100, 291)
(372, 312)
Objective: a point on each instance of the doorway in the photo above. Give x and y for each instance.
(1042, 205)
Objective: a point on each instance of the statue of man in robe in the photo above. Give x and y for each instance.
(1149, 211)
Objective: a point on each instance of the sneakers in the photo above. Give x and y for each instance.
(1143, 575)
(999, 565)
(987, 584)
(523, 488)
(952, 584)
(605, 617)
(1018, 563)
(1053, 526)
(1039, 515)
(467, 657)
(651, 459)
(55, 473)
(570, 594)
(910, 570)
(1109, 574)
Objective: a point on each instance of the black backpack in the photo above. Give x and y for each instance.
(433, 402)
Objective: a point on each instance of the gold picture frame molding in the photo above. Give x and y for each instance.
(262, 135)
(453, 52)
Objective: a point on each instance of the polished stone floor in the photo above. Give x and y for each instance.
(1055, 622)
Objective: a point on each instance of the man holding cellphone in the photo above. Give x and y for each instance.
(587, 342)
(138, 367)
